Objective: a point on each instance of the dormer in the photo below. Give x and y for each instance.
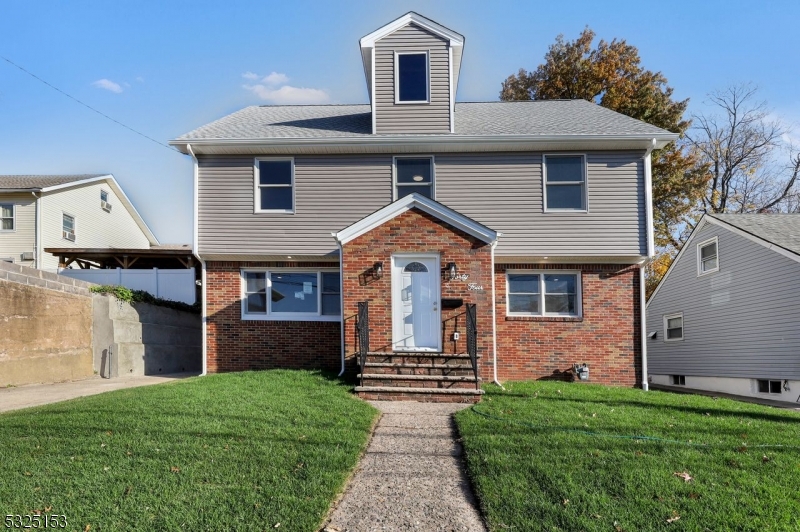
(412, 66)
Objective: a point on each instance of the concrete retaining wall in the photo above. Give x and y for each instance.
(144, 339)
(45, 327)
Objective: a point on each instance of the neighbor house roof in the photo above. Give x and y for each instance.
(780, 229)
(38, 182)
(526, 118)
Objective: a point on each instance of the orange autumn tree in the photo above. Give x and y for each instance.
(612, 76)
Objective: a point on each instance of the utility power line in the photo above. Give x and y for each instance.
(34, 76)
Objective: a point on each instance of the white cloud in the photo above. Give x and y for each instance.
(288, 94)
(250, 75)
(140, 79)
(275, 78)
(108, 85)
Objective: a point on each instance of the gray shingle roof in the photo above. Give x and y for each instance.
(36, 182)
(542, 117)
(780, 229)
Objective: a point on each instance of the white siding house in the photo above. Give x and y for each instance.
(78, 211)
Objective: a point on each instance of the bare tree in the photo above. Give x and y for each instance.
(742, 146)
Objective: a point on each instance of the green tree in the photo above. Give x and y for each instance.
(611, 75)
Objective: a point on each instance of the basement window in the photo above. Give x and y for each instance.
(296, 295)
(679, 380)
(412, 77)
(769, 386)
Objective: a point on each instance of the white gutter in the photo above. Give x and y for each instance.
(341, 298)
(643, 319)
(195, 240)
(494, 318)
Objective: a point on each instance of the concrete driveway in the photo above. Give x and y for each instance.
(14, 398)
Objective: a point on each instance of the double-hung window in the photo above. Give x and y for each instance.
(7, 217)
(543, 293)
(413, 174)
(68, 227)
(104, 203)
(565, 183)
(291, 295)
(274, 185)
(707, 256)
(411, 74)
(673, 327)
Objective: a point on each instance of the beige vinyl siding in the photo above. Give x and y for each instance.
(331, 192)
(23, 239)
(741, 321)
(433, 117)
(94, 227)
(502, 191)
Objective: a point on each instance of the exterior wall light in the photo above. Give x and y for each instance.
(452, 270)
(377, 269)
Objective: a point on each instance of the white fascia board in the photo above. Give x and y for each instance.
(77, 183)
(455, 39)
(424, 204)
(705, 219)
(391, 141)
(753, 238)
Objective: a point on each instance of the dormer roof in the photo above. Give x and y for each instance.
(454, 39)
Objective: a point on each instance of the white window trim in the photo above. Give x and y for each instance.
(286, 316)
(585, 182)
(397, 76)
(13, 217)
(395, 196)
(683, 327)
(544, 314)
(700, 272)
(74, 226)
(257, 186)
(779, 381)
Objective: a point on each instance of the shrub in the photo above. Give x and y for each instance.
(140, 296)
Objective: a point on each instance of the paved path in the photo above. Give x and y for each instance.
(412, 476)
(41, 394)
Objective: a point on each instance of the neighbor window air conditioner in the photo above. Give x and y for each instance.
(105, 205)
(69, 235)
(28, 255)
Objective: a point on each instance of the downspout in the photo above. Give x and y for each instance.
(494, 318)
(643, 322)
(341, 299)
(203, 276)
(37, 234)
(648, 198)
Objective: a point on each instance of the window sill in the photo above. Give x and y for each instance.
(563, 319)
(250, 317)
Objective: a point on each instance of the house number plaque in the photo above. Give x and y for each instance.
(475, 287)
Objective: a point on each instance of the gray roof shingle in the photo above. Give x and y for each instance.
(780, 229)
(538, 117)
(36, 182)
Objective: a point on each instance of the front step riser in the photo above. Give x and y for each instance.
(402, 383)
(416, 359)
(439, 372)
(421, 397)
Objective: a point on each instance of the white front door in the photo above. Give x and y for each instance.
(416, 315)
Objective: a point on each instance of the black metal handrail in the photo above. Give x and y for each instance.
(362, 328)
(472, 340)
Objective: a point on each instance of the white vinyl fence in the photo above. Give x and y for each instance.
(177, 285)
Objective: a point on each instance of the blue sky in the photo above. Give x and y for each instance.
(164, 68)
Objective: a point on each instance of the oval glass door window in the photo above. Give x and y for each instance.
(415, 267)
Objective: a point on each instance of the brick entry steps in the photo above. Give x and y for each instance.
(419, 376)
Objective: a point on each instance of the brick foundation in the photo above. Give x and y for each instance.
(237, 345)
(606, 337)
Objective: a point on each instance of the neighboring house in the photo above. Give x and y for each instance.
(726, 315)
(533, 217)
(65, 211)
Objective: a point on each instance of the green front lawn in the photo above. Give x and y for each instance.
(239, 451)
(560, 458)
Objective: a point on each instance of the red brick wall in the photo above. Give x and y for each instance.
(236, 345)
(606, 337)
(416, 232)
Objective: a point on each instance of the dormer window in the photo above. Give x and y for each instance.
(411, 77)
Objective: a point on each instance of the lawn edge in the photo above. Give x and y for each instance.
(470, 478)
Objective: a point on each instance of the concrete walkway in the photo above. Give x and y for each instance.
(412, 476)
(41, 394)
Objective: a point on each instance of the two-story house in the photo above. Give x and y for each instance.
(65, 211)
(431, 241)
